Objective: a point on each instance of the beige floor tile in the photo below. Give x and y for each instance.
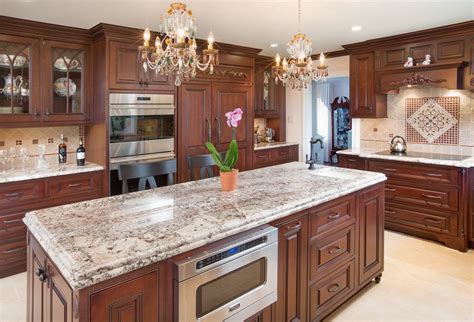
(423, 281)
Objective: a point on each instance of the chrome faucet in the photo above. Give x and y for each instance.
(314, 156)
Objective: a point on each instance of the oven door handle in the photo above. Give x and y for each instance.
(209, 130)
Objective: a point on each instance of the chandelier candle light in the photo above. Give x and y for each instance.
(176, 54)
(298, 70)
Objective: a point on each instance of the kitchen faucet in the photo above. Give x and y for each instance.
(312, 160)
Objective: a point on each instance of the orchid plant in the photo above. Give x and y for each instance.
(232, 155)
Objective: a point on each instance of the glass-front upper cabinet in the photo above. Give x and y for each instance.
(66, 97)
(19, 96)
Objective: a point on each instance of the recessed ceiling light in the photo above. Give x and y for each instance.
(273, 45)
(356, 28)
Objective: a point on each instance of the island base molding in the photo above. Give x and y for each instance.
(326, 255)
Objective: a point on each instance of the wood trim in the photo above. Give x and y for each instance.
(463, 28)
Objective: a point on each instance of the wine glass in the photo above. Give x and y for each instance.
(12, 156)
(3, 159)
(42, 162)
(23, 157)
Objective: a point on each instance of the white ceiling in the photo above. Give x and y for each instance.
(258, 23)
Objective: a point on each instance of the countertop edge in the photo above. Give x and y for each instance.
(469, 163)
(74, 279)
(276, 145)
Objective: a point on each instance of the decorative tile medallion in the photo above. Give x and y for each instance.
(433, 120)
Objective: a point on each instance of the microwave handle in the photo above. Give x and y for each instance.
(209, 130)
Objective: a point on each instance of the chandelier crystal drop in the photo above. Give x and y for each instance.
(176, 54)
(298, 71)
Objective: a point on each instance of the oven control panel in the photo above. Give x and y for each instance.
(230, 252)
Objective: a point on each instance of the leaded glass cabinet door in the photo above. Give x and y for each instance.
(67, 94)
(19, 81)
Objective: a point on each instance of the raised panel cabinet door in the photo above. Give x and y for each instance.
(132, 301)
(36, 283)
(371, 233)
(125, 70)
(195, 122)
(58, 305)
(66, 80)
(157, 82)
(227, 97)
(19, 81)
(362, 85)
(292, 271)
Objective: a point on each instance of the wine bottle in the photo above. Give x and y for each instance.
(81, 154)
(62, 151)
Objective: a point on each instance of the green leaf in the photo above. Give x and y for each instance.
(215, 155)
(232, 154)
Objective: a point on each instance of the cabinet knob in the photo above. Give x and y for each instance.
(36, 114)
(146, 82)
(140, 82)
(41, 273)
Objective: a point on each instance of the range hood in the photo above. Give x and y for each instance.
(445, 75)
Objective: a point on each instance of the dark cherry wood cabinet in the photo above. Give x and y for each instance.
(365, 101)
(128, 74)
(371, 231)
(471, 206)
(292, 270)
(351, 162)
(269, 96)
(17, 198)
(273, 156)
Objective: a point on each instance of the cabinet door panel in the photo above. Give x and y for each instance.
(59, 299)
(362, 83)
(132, 301)
(19, 80)
(125, 72)
(225, 99)
(36, 288)
(292, 271)
(371, 230)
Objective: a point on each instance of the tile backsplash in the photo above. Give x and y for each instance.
(459, 139)
(49, 136)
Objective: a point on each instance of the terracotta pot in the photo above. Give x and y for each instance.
(229, 180)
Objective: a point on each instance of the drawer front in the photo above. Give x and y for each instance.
(332, 291)
(281, 154)
(74, 184)
(329, 252)
(446, 223)
(441, 198)
(18, 194)
(12, 226)
(13, 251)
(416, 173)
(262, 157)
(332, 215)
(351, 162)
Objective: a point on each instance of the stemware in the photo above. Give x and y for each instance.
(3, 159)
(42, 162)
(23, 157)
(12, 156)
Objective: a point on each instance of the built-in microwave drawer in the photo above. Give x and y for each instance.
(329, 252)
(439, 198)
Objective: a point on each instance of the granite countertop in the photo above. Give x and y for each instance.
(53, 169)
(372, 154)
(266, 145)
(96, 240)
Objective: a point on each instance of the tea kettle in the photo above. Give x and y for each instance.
(398, 144)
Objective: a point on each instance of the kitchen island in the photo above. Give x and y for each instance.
(113, 258)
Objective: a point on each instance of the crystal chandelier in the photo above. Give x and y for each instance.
(176, 54)
(298, 71)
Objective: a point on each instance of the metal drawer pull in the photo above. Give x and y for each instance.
(335, 250)
(12, 221)
(390, 189)
(14, 250)
(352, 160)
(436, 175)
(334, 216)
(13, 195)
(389, 211)
(434, 221)
(431, 196)
(234, 307)
(389, 169)
(296, 226)
(334, 288)
(73, 185)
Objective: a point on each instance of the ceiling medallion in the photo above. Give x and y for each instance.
(298, 71)
(176, 54)
(416, 79)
